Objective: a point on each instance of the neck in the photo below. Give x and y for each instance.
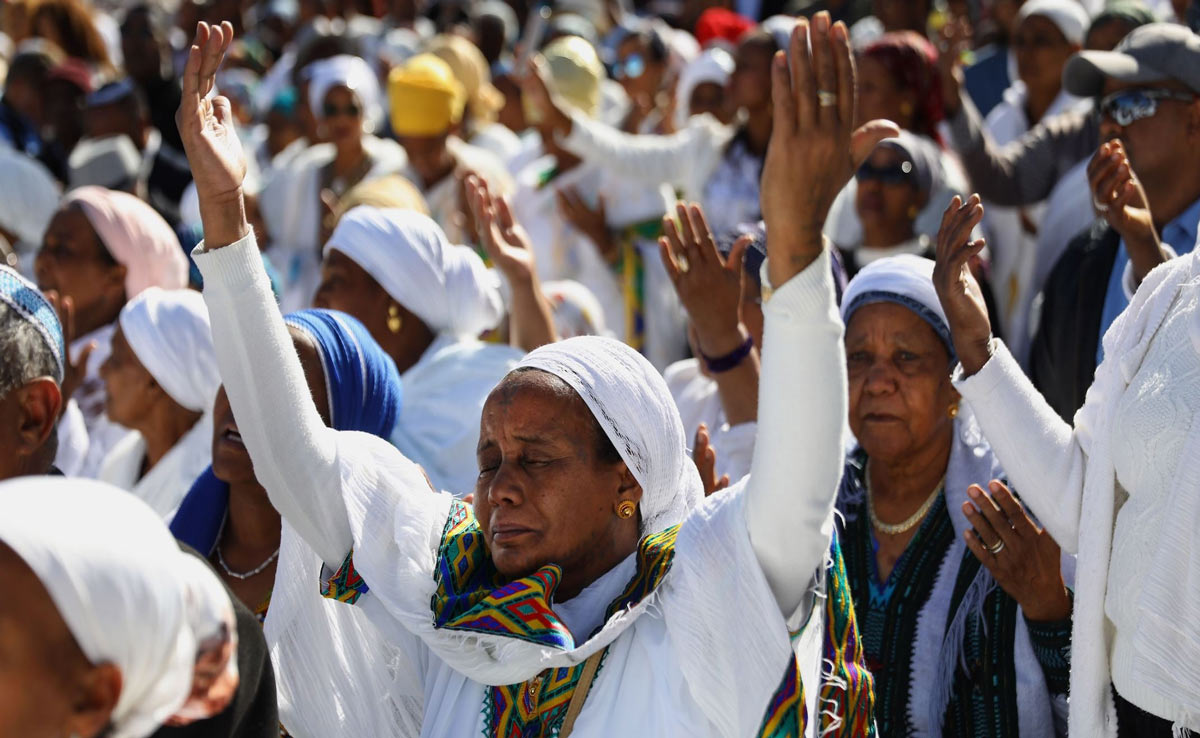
(574, 582)
(168, 423)
(1037, 102)
(252, 523)
(758, 130)
(906, 483)
(885, 235)
(349, 156)
(1169, 197)
(411, 346)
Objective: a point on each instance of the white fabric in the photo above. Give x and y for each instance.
(99, 433)
(714, 625)
(447, 287)
(444, 394)
(30, 198)
(352, 73)
(126, 591)
(714, 66)
(496, 139)
(1067, 476)
(1067, 15)
(444, 198)
(698, 401)
(169, 333)
(905, 275)
(165, 485)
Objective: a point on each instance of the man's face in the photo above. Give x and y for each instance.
(1154, 143)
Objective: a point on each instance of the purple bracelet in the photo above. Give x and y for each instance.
(731, 360)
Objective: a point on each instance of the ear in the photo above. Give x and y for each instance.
(631, 488)
(41, 402)
(96, 700)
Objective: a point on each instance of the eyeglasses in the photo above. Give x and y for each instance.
(332, 111)
(901, 173)
(631, 67)
(1127, 106)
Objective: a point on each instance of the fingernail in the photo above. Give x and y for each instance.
(973, 492)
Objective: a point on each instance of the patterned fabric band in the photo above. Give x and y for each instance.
(23, 296)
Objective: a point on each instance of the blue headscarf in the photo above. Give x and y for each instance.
(23, 296)
(363, 386)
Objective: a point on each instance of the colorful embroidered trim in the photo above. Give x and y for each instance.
(632, 270)
(346, 585)
(847, 696)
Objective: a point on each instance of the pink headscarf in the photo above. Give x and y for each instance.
(136, 236)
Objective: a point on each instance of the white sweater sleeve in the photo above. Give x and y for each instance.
(798, 457)
(294, 453)
(684, 158)
(1043, 456)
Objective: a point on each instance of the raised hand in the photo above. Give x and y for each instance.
(591, 222)
(1022, 557)
(813, 151)
(74, 370)
(207, 128)
(705, 458)
(957, 288)
(1118, 197)
(708, 286)
(953, 40)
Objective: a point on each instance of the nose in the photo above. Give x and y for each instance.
(505, 487)
(880, 379)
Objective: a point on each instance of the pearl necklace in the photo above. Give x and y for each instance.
(895, 529)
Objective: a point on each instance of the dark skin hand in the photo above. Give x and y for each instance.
(956, 285)
(1119, 198)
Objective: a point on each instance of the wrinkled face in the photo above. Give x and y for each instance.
(899, 374)
(880, 97)
(750, 84)
(342, 115)
(428, 156)
(45, 679)
(887, 196)
(1042, 52)
(545, 494)
(708, 97)
(230, 460)
(73, 262)
(348, 287)
(130, 392)
(1155, 144)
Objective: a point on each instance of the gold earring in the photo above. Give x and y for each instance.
(394, 321)
(953, 411)
(913, 212)
(626, 509)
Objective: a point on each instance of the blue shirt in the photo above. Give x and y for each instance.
(1179, 234)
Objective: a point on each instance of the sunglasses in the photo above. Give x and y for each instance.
(901, 173)
(1126, 106)
(332, 111)
(631, 67)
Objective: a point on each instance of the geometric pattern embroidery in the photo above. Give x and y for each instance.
(848, 694)
(346, 585)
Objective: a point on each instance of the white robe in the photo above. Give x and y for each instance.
(168, 481)
(698, 400)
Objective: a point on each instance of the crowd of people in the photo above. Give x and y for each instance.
(588, 368)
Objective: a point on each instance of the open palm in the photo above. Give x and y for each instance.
(206, 125)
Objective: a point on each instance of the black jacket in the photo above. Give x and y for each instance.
(1062, 360)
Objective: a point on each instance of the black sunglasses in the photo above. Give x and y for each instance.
(1126, 106)
(901, 173)
(332, 111)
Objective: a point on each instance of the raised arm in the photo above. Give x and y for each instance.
(294, 454)
(802, 407)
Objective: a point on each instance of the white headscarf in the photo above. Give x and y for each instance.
(128, 594)
(345, 71)
(906, 279)
(1067, 15)
(447, 287)
(30, 197)
(714, 65)
(169, 332)
(630, 400)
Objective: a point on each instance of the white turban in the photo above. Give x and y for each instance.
(630, 400)
(447, 287)
(1067, 15)
(128, 594)
(714, 65)
(345, 71)
(170, 333)
(906, 280)
(30, 197)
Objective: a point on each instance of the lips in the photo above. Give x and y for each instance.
(507, 533)
(880, 418)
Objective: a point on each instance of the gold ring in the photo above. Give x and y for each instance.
(684, 266)
(826, 99)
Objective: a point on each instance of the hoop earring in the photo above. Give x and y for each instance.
(626, 509)
(394, 321)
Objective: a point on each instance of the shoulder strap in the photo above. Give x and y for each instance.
(590, 667)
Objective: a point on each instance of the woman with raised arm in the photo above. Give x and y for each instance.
(1119, 488)
(588, 591)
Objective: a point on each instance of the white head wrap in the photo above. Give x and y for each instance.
(345, 71)
(447, 287)
(128, 594)
(714, 65)
(1068, 15)
(575, 309)
(30, 197)
(630, 400)
(169, 332)
(906, 280)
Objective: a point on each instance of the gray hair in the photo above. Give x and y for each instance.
(24, 353)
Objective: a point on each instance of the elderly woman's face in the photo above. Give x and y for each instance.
(899, 373)
(73, 262)
(130, 392)
(47, 687)
(545, 495)
(887, 197)
(342, 115)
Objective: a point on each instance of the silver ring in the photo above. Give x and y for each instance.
(826, 99)
(996, 549)
(1100, 207)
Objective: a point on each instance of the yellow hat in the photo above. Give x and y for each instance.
(425, 97)
(471, 69)
(575, 72)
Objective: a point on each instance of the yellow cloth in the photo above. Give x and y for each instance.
(471, 70)
(426, 99)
